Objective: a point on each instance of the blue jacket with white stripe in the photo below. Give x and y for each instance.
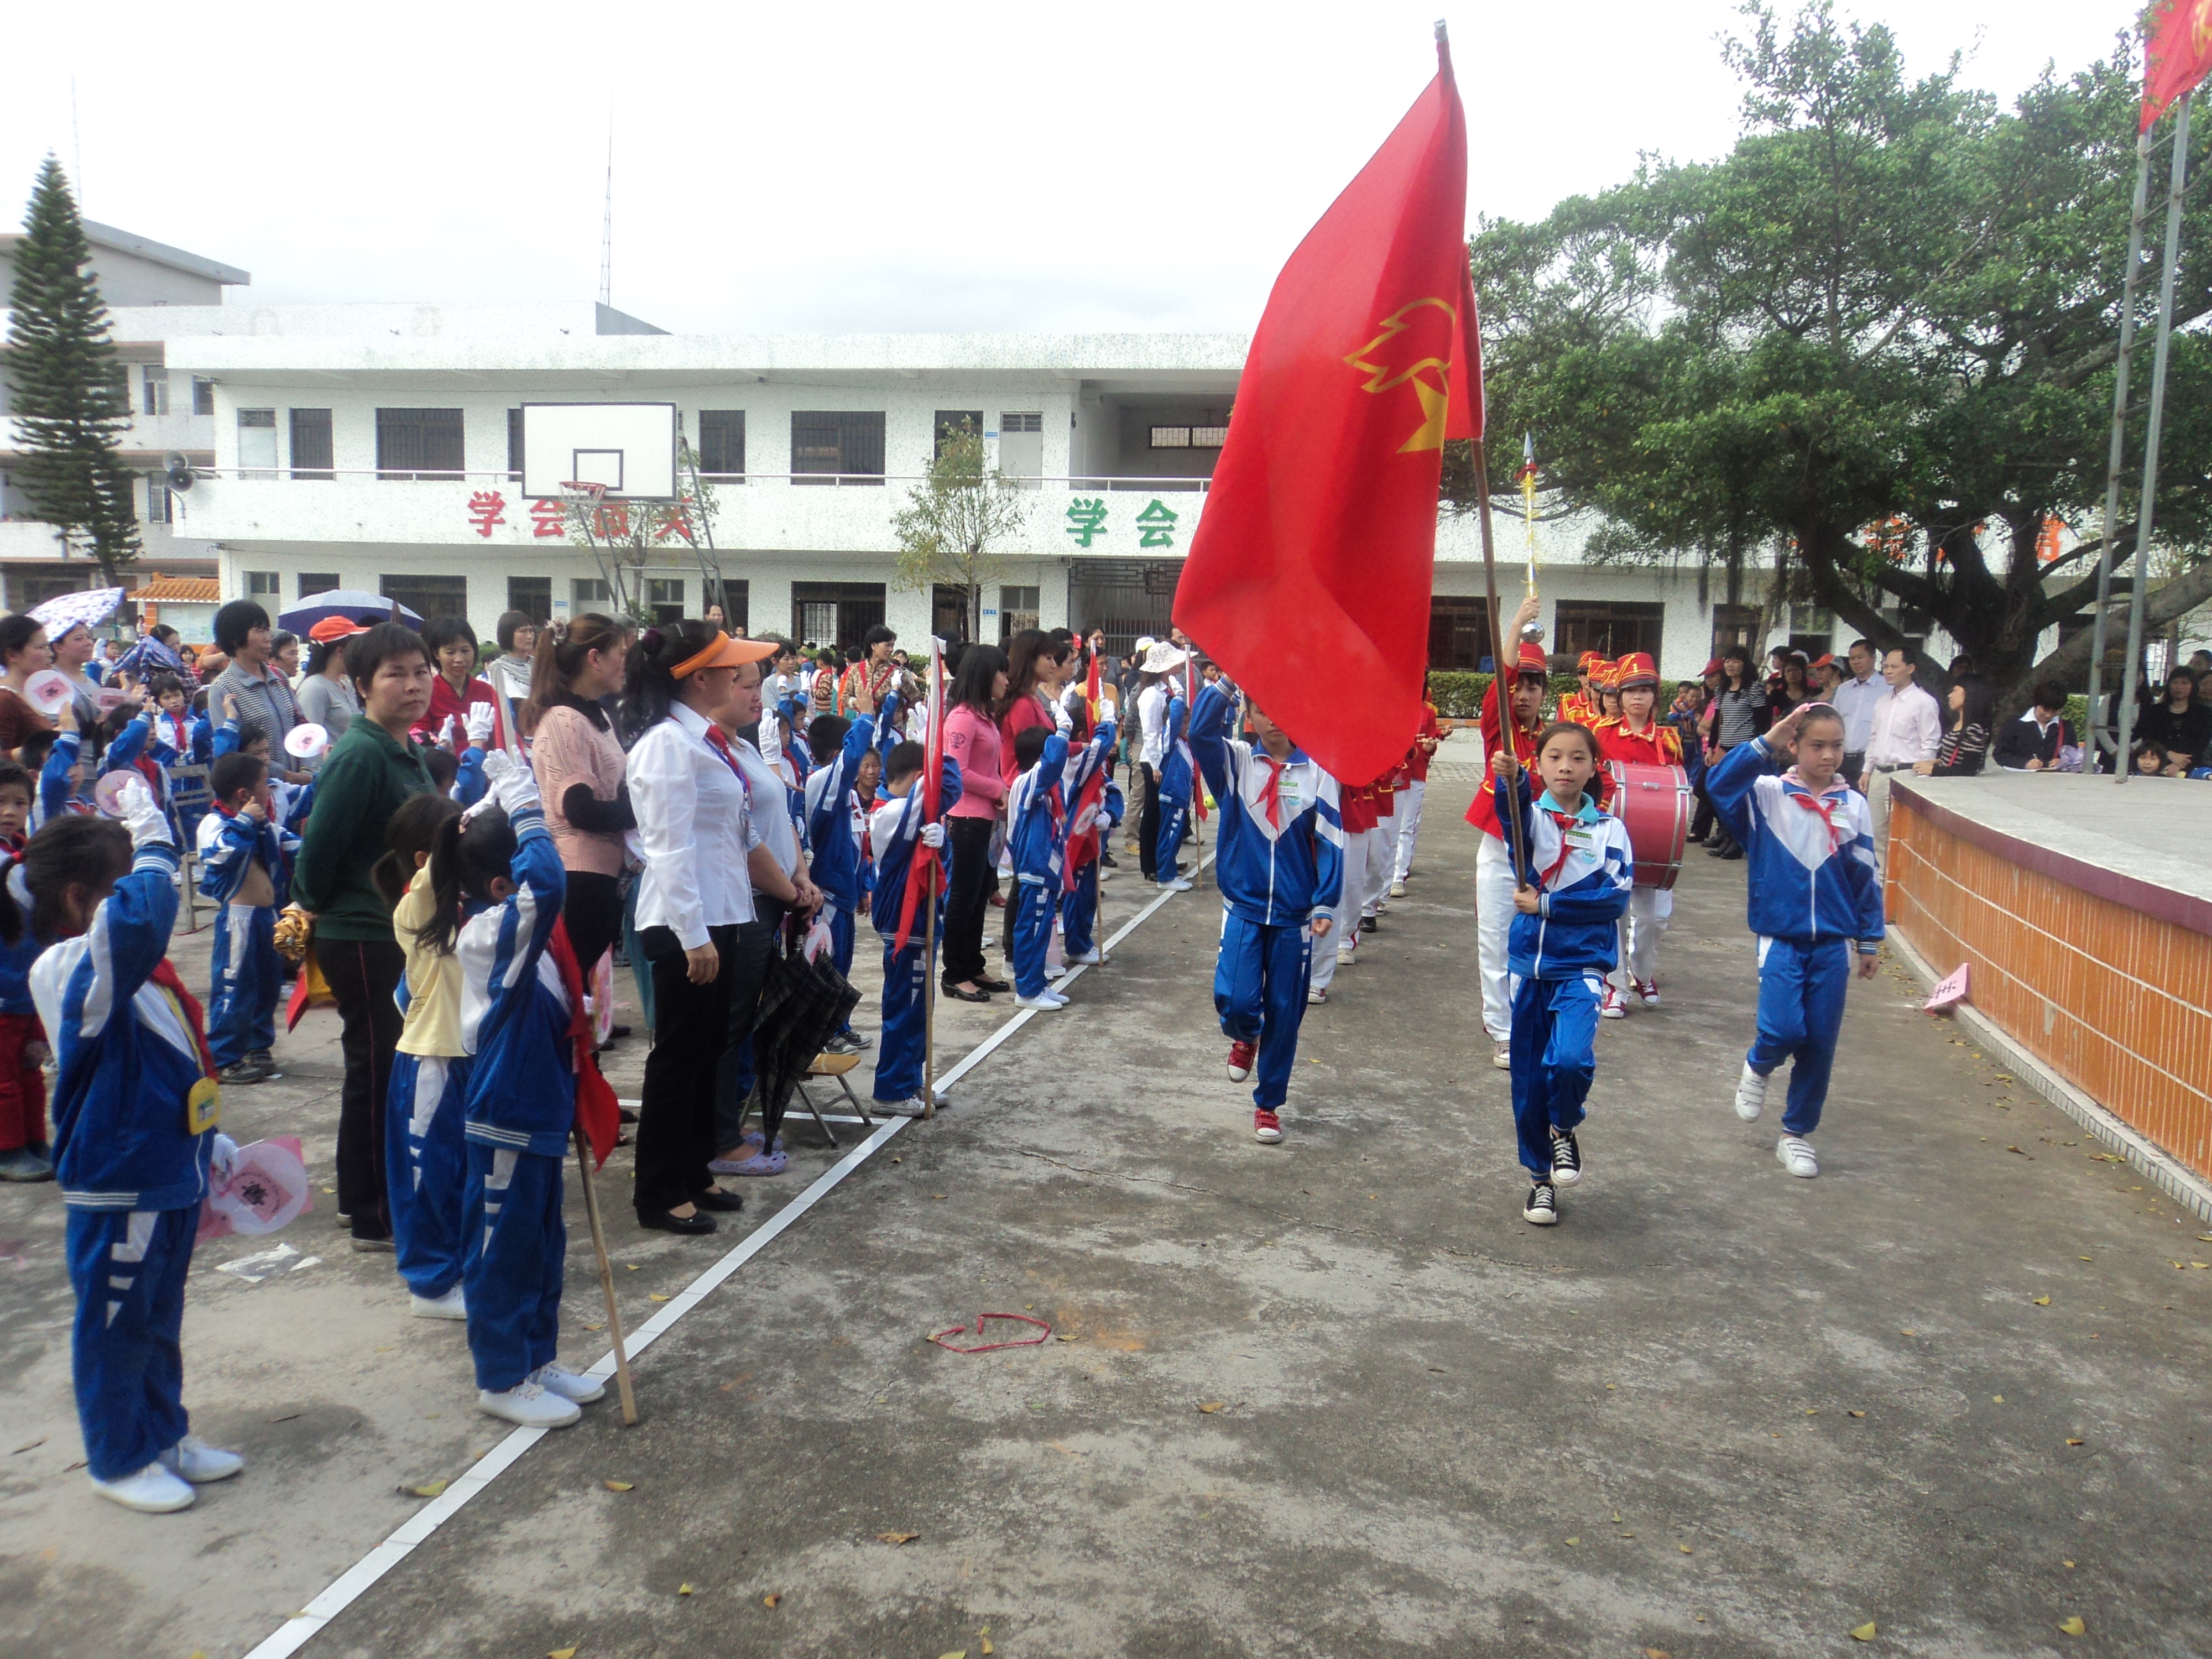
(831, 844)
(1584, 872)
(1810, 859)
(514, 1011)
(1279, 876)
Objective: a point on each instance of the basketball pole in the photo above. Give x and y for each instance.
(1502, 678)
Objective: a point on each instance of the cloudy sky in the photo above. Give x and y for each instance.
(864, 166)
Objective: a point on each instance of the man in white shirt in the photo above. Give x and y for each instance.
(1905, 730)
(1855, 699)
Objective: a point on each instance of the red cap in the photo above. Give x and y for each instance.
(1636, 668)
(1712, 667)
(335, 628)
(1534, 661)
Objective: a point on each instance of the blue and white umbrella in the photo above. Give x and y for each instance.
(354, 604)
(86, 608)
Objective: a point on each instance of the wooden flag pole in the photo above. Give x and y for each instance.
(1506, 672)
(933, 752)
(606, 1279)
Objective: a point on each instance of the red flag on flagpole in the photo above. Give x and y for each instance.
(923, 870)
(1319, 534)
(2179, 55)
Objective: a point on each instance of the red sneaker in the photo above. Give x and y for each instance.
(1647, 991)
(1266, 1126)
(1241, 1056)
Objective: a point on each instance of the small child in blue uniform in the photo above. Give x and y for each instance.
(1561, 946)
(1036, 832)
(1278, 860)
(426, 1156)
(1815, 903)
(136, 1108)
(897, 825)
(834, 825)
(242, 863)
(1175, 788)
(1094, 806)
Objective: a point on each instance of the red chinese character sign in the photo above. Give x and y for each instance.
(549, 517)
(486, 508)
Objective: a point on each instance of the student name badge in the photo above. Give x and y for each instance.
(1293, 801)
(1579, 839)
(203, 1107)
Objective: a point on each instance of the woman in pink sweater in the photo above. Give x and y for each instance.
(971, 737)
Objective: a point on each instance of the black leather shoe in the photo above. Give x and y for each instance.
(663, 1222)
(993, 985)
(715, 1198)
(960, 994)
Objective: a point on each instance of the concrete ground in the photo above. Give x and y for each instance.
(1328, 1398)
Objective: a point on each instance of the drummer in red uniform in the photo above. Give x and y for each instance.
(1639, 738)
(1494, 866)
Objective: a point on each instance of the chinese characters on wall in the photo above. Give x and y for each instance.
(1087, 522)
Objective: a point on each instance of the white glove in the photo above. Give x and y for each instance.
(1084, 820)
(223, 1157)
(140, 817)
(480, 723)
(516, 786)
(932, 835)
(449, 734)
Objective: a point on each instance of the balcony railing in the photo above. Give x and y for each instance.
(719, 480)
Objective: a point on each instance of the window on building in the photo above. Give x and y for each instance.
(664, 597)
(1021, 443)
(264, 585)
(722, 442)
(589, 593)
(514, 446)
(952, 422)
(1459, 632)
(849, 445)
(835, 613)
(154, 387)
(257, 441)
(311, 444)
(735, 599)
(1018, 610)
(1615, 627)
(418, 444)
(1172, 437)
(202, 395)
(948, 612)
(27, 590)
(161, 506)
(309, 583)
(1734, 624)
(1209, 437)
(531, 595)
(428, 597)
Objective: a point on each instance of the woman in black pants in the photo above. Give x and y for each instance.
(701, 848)
(971, 739)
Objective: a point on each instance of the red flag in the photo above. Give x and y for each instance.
(598, 1113)
(1319, 529)
(2179, 57)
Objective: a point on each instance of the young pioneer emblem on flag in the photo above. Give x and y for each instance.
(1320, 528)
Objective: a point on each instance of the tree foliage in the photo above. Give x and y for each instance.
(955, 522)
(67, 391)
(1873, 345)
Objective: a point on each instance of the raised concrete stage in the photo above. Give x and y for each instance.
(2084, 908)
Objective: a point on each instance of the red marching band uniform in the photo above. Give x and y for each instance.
(1655, 748)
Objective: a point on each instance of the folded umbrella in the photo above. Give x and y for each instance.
(803, 1006)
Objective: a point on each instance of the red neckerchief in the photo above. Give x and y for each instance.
(1566, 821)
(165, 975)
(1839, 835)
(1271, 792)
(721, 745)
(597, 1110)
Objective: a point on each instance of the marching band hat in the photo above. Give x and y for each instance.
(1637, 669)
(1533, 661)
(1588, 660)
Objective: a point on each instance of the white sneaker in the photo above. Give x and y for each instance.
(1503, 1059)
(910, 1107)
(1094, 958)
(570, 1385)
(448, 1306)
(1750, 1095)
(1612, 1007)
(1179, 885)
(1398, 888)
(1046, 1001)
(1052, 971)
(152, 1490)
(1346, 955)
(1315, 997)
(191, 1460)
(529, 1405)
(1797, 1157)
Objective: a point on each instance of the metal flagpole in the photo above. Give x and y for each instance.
(2093, 742)
(2133, 669)
(1505, 675)
(931, 752)
(1528, 500)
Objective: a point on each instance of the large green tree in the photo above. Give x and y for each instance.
(66, 387)
(1871, 349)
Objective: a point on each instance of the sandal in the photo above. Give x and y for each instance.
(760, 1163)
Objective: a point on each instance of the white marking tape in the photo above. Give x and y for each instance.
(298, 1630)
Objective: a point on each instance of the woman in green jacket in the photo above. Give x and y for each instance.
(367, 775)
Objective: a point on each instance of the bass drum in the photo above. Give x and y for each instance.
(1657, 803)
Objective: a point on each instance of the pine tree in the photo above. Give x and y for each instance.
(66, 386)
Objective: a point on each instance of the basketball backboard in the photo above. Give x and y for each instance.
(630, 448)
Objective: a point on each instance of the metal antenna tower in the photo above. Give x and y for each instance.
(607, 223)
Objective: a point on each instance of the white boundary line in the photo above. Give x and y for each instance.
(347, 1588)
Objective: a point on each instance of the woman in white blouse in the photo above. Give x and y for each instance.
(703, 857)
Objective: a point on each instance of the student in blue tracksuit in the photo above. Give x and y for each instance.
(1279, 859)
(1036, 833)
(1175, 787)
(835, 825)
(1562, 945)
(1094, 806)
(893, 831)
(242, 859)
(497, 884)
(136, 1109)
(1816, 905)
(426, 1156)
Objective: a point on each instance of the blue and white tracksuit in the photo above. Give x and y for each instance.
(520, 1109)
(426, 1154)
(248, 976)
(1079, 897)
(1815, 903)
(1556, 961)
(1276, 879)
(1174, 792)
(834, 827)
(1037, 837)
(892, 833)
(132, 1169)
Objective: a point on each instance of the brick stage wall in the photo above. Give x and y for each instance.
(2116, 1000)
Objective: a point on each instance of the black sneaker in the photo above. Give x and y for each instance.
(267, 1062)
(1109, 859)
(1566, 1159)
(242, 1072)
(1542, 1209)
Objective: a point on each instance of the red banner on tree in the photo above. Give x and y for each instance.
(1309, 578)
(2179, 54)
